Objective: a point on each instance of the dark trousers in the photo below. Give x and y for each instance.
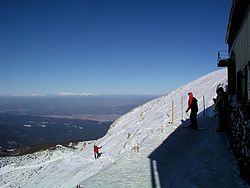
(193, 118)
(97, 155)
(222, 120)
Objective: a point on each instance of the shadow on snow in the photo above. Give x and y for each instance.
(194, 158)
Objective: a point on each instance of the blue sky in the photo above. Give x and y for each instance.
(108, 47)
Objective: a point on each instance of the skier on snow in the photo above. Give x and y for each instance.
(96, 151)
(192, 104)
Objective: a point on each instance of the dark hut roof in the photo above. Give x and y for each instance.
(237, 15)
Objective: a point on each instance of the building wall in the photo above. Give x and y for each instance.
(238, 72)
(241, 47)
(239, 139)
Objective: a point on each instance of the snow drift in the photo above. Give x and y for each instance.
(126, 146)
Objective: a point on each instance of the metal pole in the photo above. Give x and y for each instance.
(204, 106)
(181, 107)
(169, 111)
(172, 111)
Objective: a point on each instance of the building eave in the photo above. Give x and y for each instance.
(237, 16)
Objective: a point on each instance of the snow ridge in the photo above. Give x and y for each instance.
(126, 146)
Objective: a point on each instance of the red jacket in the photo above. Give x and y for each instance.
(190, 100)
(96, 149)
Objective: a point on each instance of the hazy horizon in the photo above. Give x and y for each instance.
(101, 107)
(29, 120)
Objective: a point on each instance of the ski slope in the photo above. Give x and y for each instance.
(127, 146)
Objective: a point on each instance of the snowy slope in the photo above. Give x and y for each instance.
(143, 129)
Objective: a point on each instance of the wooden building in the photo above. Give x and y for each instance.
(238, 65)
(238, 60)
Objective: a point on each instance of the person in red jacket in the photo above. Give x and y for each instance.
(192, 104)
(96, 151)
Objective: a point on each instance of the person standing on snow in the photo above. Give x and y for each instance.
(96, 151)
(192, 104)
(221, 109)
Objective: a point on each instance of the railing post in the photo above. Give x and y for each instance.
(169, 111)
(181, 106)
(204, 106)
(172, 111)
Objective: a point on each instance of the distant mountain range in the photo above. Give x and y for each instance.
(31, 121)
(19, 131)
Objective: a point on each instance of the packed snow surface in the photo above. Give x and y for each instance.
(146, 147)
